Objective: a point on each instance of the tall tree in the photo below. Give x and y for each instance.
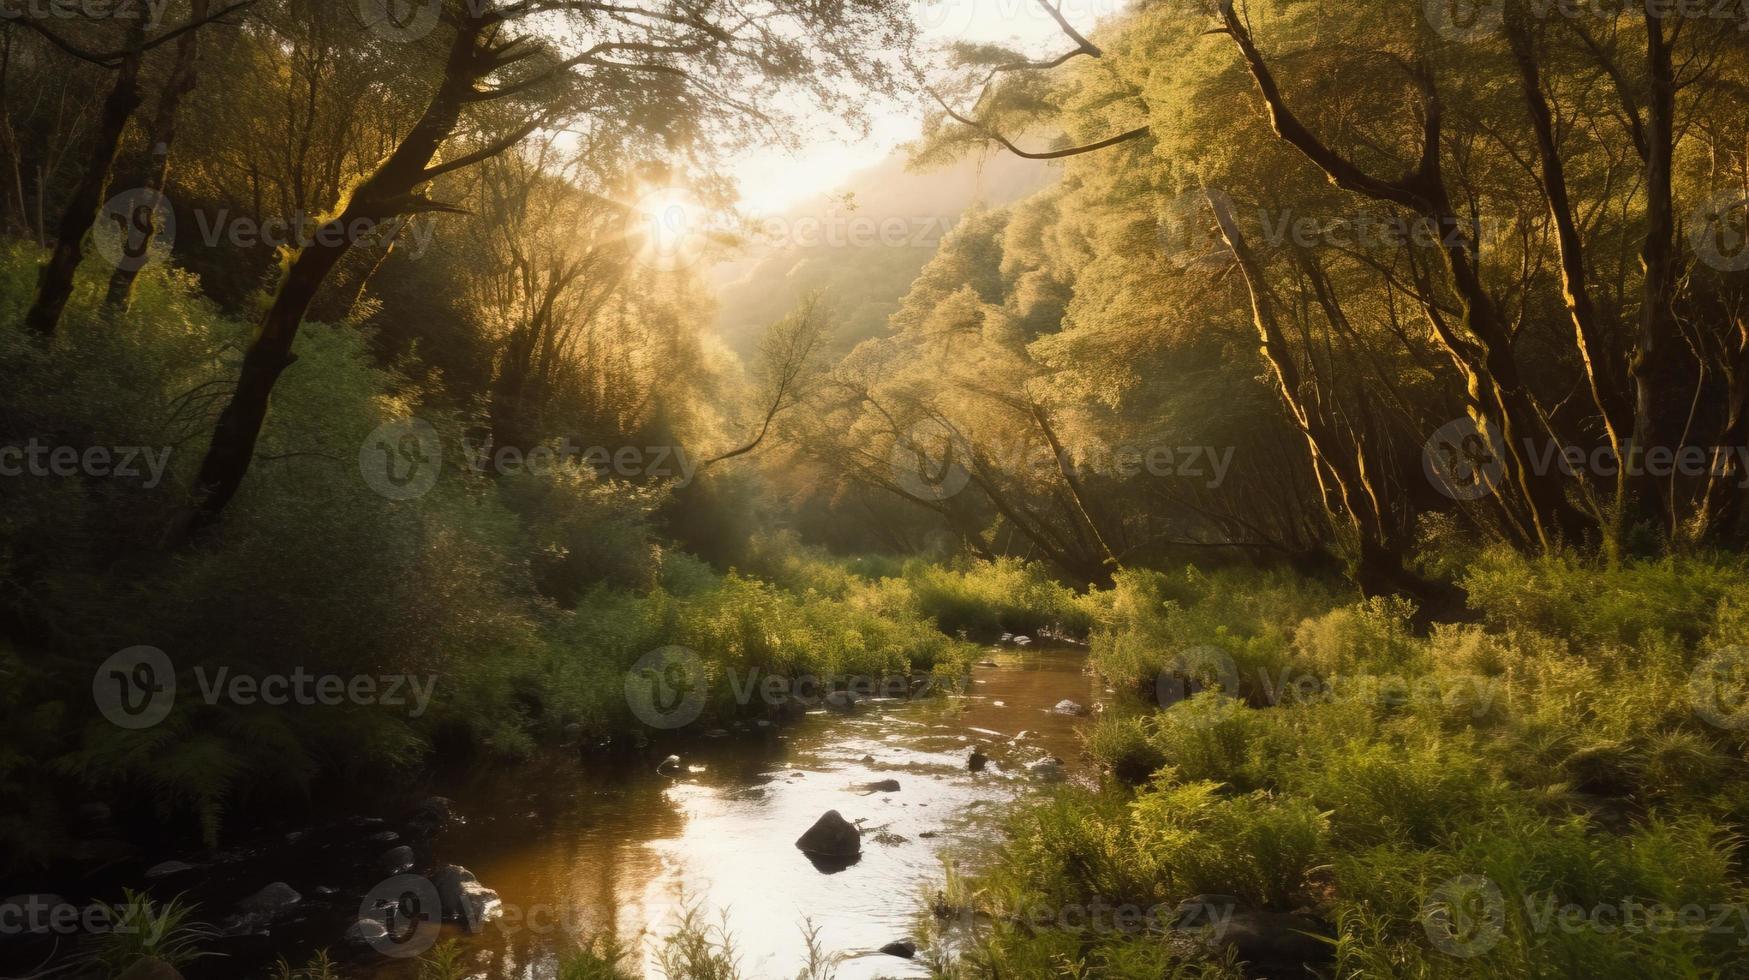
(55, 279)
(662, 74)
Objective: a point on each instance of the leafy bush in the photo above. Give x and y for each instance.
(520, 601)
(1123, 746)
(984, 599)
(1578, 750)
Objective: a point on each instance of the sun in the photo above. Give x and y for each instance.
(671, 221)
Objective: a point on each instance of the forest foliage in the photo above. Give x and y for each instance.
(1370, 389)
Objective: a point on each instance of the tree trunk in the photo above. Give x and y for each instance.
(1496, 391)
(55, 280)
(363, 285)
(386, 193)
(1721, 505)
(1657, 361)
(1604, 368)
(1377, 568)
(162, 137)
(1083, 507)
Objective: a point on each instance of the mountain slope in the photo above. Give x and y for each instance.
(862, 245)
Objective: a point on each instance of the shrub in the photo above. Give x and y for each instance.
(1122, 744)
(1568, 750)
(1372, 637)
(985, 599)
(1256, 847)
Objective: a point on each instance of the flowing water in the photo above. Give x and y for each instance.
(573, 849)
(569, 855)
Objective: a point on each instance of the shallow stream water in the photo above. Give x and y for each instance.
(575, 848)
(570, 856)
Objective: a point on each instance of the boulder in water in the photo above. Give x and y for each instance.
(1049, 768)
(903, 949)
(977, 761)
(272, 898)
(150, 968)
(831, 836)
(165, 869)
(366, 932)
(433, 813)
(396, 860)
(464, 899)
(1068, 707)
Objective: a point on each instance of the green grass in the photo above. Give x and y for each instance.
(1370, 776)
(141, 930)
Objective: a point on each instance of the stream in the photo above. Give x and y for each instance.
(572, 851)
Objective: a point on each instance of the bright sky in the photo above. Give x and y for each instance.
(773, 179)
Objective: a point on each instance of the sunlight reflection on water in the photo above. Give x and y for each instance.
(572, 854)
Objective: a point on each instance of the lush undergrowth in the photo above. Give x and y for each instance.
(967, 598)
(1555, 790)
(523, 602)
